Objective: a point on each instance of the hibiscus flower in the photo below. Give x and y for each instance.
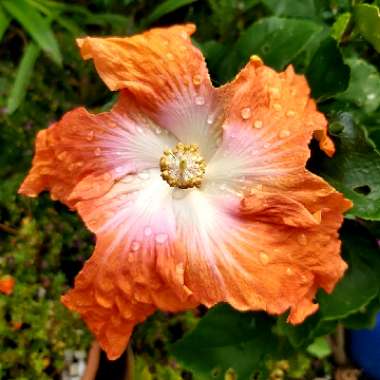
(197, 195)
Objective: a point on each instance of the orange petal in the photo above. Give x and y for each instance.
(167, 76)
(82, 155)
(278, 108)
(7, 284)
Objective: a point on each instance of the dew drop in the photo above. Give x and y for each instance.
(144, 175)
(161, 238)
(197, 79)
(245, 113)
(90, 135)
(371, 96)
(302, 239)
(258, 124)
(210, 120)
(264, 258)
(170, 56)
(290, 113)
(157, 130)
(139, 129)
(147, 231)
(97, 151)
(199, 100)
(166, 42)
(284, 133)
(289, 271)
(277, 106)
(135, 246)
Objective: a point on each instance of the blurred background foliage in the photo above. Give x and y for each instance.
(335, 43)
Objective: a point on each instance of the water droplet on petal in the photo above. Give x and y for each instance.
(210, 120)
(302, 239)
(135, 246)
(144, 175)
(197, 79)
(199, 100)
(147, 231)
(284, 133)
(245, 113)
(161, 238)
(165, 42)
(97, 151)
(157, 130)
(290, 113)
(258, 124)
(139, 129)
(170, 56)
(264, 258)
(277, 106)
(90, 135)
(289, 271)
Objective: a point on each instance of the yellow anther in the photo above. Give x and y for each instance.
(183, 166)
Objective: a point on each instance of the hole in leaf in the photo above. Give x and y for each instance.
(215, 372)
(365, 190)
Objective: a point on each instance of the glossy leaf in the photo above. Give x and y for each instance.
(364, 86)
(360, 284)
(367, 18)
(36, 25)
(327, 74)
(291, 8)
(340, 26)
(320, 348)
(166, 7)
(276, 40)
(355, 168)
(226, 338)
(23, 77)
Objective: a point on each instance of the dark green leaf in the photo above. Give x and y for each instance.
(367, 18)
(4, 22)
(166, 7)
(364, 86)
(327, 74)
(276, 40)
(291, 8)
(36, 25)
(355, 168)
(365, 318)
(360, 284)
(23, 76)
(226, 338)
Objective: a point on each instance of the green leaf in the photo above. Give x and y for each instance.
(226, 338)
(4, 22)
(355, 168)
(291, 8)
(360, 284)
(166, 7)
(340, 26)
(365, 318)
(364, 86)
(23, 76)
(367, 19)
(320, 348)
(276, 40)
(36, 25)
(327, 74)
